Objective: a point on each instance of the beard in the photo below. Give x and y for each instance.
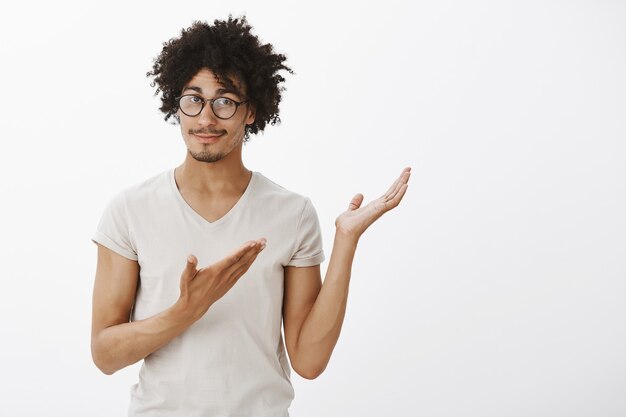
(210, 157)
(206, 156)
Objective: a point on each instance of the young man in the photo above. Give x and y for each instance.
(198, 265)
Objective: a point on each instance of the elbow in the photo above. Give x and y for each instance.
(309, 373)
(105, 370)
(100, 361)
(309, 376)
(102, 365)
(307, 366)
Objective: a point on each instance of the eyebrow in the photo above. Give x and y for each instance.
(219, 91)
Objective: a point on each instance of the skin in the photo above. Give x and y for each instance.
(211, 179)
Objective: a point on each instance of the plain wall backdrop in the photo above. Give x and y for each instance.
(495, 289)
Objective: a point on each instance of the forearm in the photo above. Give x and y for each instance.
(320, 330)
(121, 345)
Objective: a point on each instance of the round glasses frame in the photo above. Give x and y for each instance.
(211, 100)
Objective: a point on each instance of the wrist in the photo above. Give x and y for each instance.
(347, 237)
(181, 314)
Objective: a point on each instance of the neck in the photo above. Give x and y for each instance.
(226, 176)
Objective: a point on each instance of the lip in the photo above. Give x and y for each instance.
(207, 139)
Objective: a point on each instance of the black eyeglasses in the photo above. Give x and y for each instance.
(223, 107)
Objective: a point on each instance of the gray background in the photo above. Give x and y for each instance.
(496, 288)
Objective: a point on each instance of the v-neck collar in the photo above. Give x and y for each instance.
(196, 216)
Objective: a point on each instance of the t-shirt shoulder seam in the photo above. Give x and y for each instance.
(282, 188)
(297, 239)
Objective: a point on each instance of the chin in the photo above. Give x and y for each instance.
(206, 156)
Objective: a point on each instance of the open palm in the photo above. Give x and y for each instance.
(357, 219)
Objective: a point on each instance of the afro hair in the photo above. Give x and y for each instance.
(228, 49)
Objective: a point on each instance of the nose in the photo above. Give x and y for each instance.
(206, 116)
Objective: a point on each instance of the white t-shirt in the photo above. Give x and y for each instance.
(231, 362)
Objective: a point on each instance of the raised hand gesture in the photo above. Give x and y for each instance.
(354, 221)
(200, 288)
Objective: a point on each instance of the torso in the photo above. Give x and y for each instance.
(211, 209)
(233, 359)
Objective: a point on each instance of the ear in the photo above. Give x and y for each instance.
(251, 114)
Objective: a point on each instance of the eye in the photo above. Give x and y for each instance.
(195, 99)
(223, 101)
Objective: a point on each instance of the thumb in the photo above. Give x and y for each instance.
(356, 202)
(190, 268)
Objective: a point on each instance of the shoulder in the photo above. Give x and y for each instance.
(147, 191)
(275, 194)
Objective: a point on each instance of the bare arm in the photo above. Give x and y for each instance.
(116, 342)
(314, 313)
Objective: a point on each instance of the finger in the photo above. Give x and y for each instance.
(397, 183)
(356, 202)
(403, 179)
(393, 186)
(240, 268)
(238, 272)
(190, 270)
(246, 257)
(397, 198)
(234, 257)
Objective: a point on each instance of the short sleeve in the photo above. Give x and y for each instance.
(113, 230)
(309, 249)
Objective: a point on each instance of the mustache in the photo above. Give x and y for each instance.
(205, 132)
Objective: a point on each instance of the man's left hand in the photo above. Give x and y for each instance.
(354, 221)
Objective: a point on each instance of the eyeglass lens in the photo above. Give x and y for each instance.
(222, 107)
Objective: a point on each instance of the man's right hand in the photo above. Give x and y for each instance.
(116, 342)
(200, 288)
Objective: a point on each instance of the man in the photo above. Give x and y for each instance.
(209, 336)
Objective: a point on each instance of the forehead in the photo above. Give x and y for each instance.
(206, 82)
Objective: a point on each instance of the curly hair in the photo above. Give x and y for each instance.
(226, 48)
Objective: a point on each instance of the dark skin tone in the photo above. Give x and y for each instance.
(211, 180)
